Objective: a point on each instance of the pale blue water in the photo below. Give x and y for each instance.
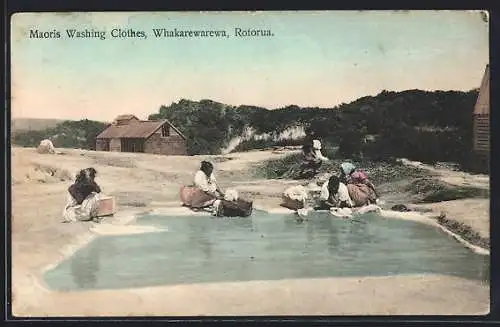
(264, 247)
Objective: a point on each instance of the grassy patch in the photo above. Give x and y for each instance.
(278, 168)
(379, 171)
(433, 190)
(465, 231)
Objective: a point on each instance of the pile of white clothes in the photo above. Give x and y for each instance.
(46, 147)
(298, 193)
(349, 213)
(230, 195)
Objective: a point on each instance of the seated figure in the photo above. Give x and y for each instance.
(83, 200)
(334, 194)
(204, 191)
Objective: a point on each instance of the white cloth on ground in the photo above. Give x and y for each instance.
(342, 194)
(297, 192)
(341, 212)
(348, 212)
(206, 184)
(231, 194)
(367, 209)
(81, 212)
(304, 211)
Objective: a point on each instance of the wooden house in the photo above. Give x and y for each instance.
(481, 117)
(128, 133)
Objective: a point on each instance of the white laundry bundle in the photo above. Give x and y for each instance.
(348, 212)
(368, 208)
(231, 195)
(304, 211)
(46, 146)
(298, 193)
(341, 212)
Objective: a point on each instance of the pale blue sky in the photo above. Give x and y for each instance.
(314, 59)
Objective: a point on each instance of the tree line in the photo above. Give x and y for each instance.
(420, 125)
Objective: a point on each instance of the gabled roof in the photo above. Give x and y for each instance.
(175, 128)
(124, 117)
(483, 100)
(142, 129)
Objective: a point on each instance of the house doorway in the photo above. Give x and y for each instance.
(132, 145)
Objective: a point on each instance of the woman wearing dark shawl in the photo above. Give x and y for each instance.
(82, 204)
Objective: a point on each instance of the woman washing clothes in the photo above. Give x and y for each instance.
(334, 194)
(312, 158)
(361, 190)
(204, 191)
(82, 204)
(310, 162)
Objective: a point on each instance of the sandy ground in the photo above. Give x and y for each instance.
(144, 182)
(474, 213)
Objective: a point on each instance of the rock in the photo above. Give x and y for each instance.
(400, 207)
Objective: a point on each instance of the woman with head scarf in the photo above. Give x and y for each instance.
(334, 193)
(316, 145)
(204, 190)
(82, 204)
(361, 189)
(312, 158)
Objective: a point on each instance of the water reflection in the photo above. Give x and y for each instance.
(85, 269)
(199, 236)
(333, 238)
(266, 247)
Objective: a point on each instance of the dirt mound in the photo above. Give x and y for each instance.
(40, 173)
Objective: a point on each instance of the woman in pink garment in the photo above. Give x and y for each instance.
(361, 189)
(204, 190)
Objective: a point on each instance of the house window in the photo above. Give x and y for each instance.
(165, 131)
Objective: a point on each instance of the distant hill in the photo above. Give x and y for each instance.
(65, 134)
(18, 125)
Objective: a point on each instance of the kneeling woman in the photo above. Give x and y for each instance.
(82, 204)
(334, 194)
(361, 190)
(204, 190)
